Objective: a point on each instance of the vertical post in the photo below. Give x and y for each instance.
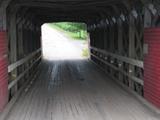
(131, 47)
(111, 39)
(20, 49)
(120, 45)
(13, 47)
(147, 18)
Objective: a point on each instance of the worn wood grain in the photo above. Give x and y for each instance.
(77, 90)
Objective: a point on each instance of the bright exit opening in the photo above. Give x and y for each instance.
(65, 40)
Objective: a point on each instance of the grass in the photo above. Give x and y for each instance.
(85, 52)
(77, 35)
(70, 30)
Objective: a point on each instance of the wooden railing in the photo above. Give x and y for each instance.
(34, 57)
(102, 56)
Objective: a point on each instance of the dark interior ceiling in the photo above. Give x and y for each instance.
(43, 11)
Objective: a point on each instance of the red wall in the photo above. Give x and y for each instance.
(3, 71)
(152, 66)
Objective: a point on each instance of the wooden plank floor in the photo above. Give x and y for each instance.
(77, 90)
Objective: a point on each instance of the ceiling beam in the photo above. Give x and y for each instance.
(45, 4)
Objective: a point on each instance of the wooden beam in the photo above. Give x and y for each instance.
(3, 7)
(63, 4)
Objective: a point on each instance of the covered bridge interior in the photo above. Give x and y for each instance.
(124, 43)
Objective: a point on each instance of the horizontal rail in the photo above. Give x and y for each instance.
(14, 82)
(22, 61)
(121, 58)
(118, 69)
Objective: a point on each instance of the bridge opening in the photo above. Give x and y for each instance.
(65, 41)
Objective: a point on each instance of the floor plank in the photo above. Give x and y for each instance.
(77, 90)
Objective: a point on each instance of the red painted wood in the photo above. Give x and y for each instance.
(152, 66)
(3, 71)
(3, 94)
(3, 43)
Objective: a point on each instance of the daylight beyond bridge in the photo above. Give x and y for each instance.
(58, 46)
